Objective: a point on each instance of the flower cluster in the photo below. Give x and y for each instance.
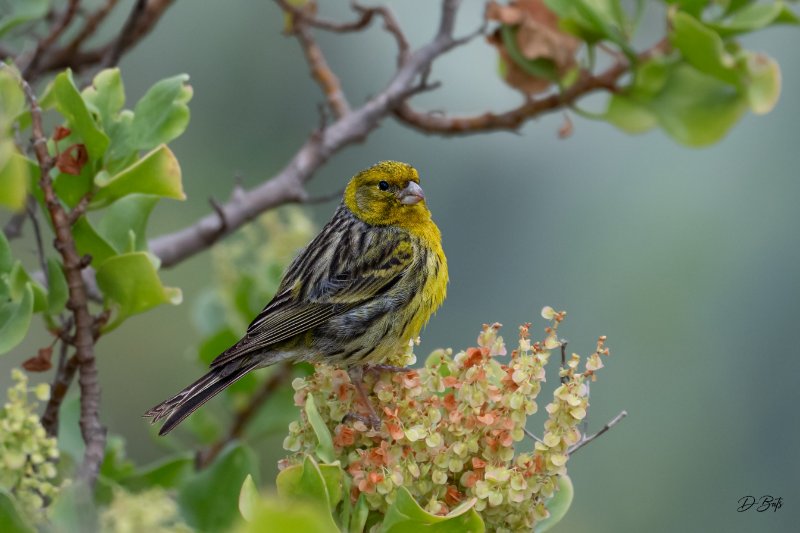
(27, 455)
(151, 510)
(449, 429)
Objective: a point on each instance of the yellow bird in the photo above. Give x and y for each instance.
(354, 297)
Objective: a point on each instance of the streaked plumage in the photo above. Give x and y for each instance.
(354, 296)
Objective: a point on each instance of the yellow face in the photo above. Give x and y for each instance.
(387, 194)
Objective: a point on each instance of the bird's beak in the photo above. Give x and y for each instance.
(411, 195)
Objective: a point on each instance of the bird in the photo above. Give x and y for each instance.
(353, 297)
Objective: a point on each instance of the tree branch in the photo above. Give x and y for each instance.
(65, 373)
(94, 434)
(512, 120)
(147, 14)
(43, 45)
(245, 415)
(288, 185)
(321, 72)
(586, 440)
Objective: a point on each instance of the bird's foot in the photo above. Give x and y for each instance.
(371, 421)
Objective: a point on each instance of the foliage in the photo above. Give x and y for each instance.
(447, 439)
(117, 160)
(695, 85)
(449, 455)
(29, 457)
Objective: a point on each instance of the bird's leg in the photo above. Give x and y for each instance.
(356, 374)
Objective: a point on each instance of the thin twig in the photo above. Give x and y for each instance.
(279, 376)
(115, 50)
(512, 120)
(13, 228)
(288, 185)
(65, 373)
(532, 435)
(58, 28)
(586, 440)
(93, 432)
(321, 71)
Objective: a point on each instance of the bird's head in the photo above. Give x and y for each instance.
(387, 194)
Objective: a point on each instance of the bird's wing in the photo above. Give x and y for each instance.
(350, 279)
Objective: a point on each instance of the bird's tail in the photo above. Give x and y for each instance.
(192, 397)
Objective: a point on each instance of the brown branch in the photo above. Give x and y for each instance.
(94, 434)
(288, 185)
(90, 26)
(71, 57)
(43, 45)
(440, 124)
(65, 373)
(114, 52)
(321, 71)
(366, 15)
(279, 376)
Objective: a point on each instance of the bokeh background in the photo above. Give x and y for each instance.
(687, 259)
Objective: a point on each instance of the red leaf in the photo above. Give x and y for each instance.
(40, 362)
(61, 132)
(72, 160)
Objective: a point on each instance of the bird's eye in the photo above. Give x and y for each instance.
(383, 185)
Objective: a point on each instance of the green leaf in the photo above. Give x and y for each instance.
(6, 258)
(753, 17)
(116, 465)
(558, 505)
(360, 514)
(20, 12)
(693, 7)
(14, 177)
(278, 515)
(125, 216)
(208, 500)
(19, 279)
(167, 473)
(248, 498)
(12, 99)
(11, 518)
(162, 114)
(764, 82)
(15, 319)
(57, 291)
(130, 282)
(324, 449)
(696, 109)
(106, 95)
(70, 441)
(703, 48)
(89, 241)
(405, 515)
(629, 115)
(307, 482)
(73, 510)
(157, 173)
(64, 96)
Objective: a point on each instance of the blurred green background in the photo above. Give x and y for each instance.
(687, 259)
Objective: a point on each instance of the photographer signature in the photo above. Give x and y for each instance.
(765, 503)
